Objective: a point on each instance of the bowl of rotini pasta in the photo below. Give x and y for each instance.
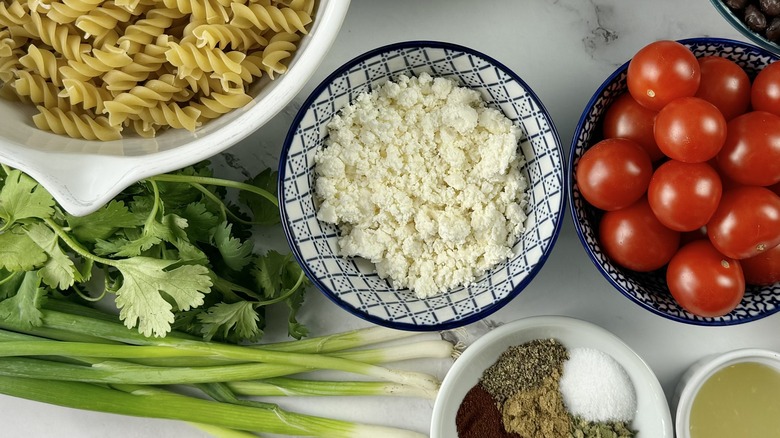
(96, 95)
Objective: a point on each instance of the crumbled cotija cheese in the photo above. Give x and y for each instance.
(423, 180)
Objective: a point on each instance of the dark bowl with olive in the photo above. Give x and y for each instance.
(758, 20)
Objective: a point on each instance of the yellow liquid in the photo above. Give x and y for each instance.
(739, 401)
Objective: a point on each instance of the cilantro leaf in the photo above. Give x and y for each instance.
(10, 283)
(264, 212)
(201, 221)
(267, 272)
(155, 232)
(292, 273)
(102, 223)
(221, 318)
(144, 279)
(235, 253)
(21, 198)
(24, 307)
(58, 271)
(18, 252)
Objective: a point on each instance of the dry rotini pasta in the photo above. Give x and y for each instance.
(67, 11)
(100, 69)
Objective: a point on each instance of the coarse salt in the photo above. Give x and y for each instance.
(596, 387)
(423, 179)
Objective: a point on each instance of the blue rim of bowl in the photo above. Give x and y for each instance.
(330, 294)
(742, 28)
(710, 322)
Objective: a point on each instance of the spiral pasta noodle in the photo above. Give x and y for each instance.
(75, 125)
(99, 69)
(67, 11)
(269, 17)
(39, 90)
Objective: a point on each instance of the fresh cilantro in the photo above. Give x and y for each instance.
(18, 252)
(235, 253)
(172, 251)
(102, 223)
(58, 271)
(201, 221)
(268, 271)
(263, 211)
(21, 198)
(10, 282)
(24, 307)
(293, 275)
(140, 298)
(223, 318)
(168, 230)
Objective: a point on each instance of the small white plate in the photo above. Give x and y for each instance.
(653, 418)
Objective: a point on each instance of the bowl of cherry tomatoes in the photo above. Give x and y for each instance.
(675, 180)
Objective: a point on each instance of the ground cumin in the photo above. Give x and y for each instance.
(538, 412)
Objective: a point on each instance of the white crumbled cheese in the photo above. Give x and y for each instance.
(423, 180)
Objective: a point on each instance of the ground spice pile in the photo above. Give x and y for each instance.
(519, 396)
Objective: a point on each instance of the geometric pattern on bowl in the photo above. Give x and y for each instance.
(353, 283)
(649, 290)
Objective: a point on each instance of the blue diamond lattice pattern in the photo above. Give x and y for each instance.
(352, 282)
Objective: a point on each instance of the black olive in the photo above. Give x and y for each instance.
(773, 30)
(736, 4)
(770, 7)
(754, 19)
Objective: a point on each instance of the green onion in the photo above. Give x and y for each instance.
(156, 403)
(282, 386)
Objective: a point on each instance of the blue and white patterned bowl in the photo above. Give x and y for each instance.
(352, 283)
(649, 290)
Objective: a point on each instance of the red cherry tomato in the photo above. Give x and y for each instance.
(746, 223)
(690, 129)
(751, 153)
(689, 236)
(634, 238)
(764, 268)
(765, 94)
(724, 84)
(661, 72)
(684, 196)
(625, 118)
(704, 281)
(614, 173)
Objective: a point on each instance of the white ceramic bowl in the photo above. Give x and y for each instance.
(83, 175)
(353, 283)
(698, 373)
(653, 418)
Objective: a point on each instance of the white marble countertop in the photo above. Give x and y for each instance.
(563, 49)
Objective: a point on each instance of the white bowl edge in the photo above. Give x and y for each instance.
(81, 189)
(486, 350)
(692, 379)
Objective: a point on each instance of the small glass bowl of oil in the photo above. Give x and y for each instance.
(735, 394)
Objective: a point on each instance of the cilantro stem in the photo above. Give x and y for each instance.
(74, 245)
(8, 278)
(155, 207)
(285, 295)
(213, 198)
(217, 182)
